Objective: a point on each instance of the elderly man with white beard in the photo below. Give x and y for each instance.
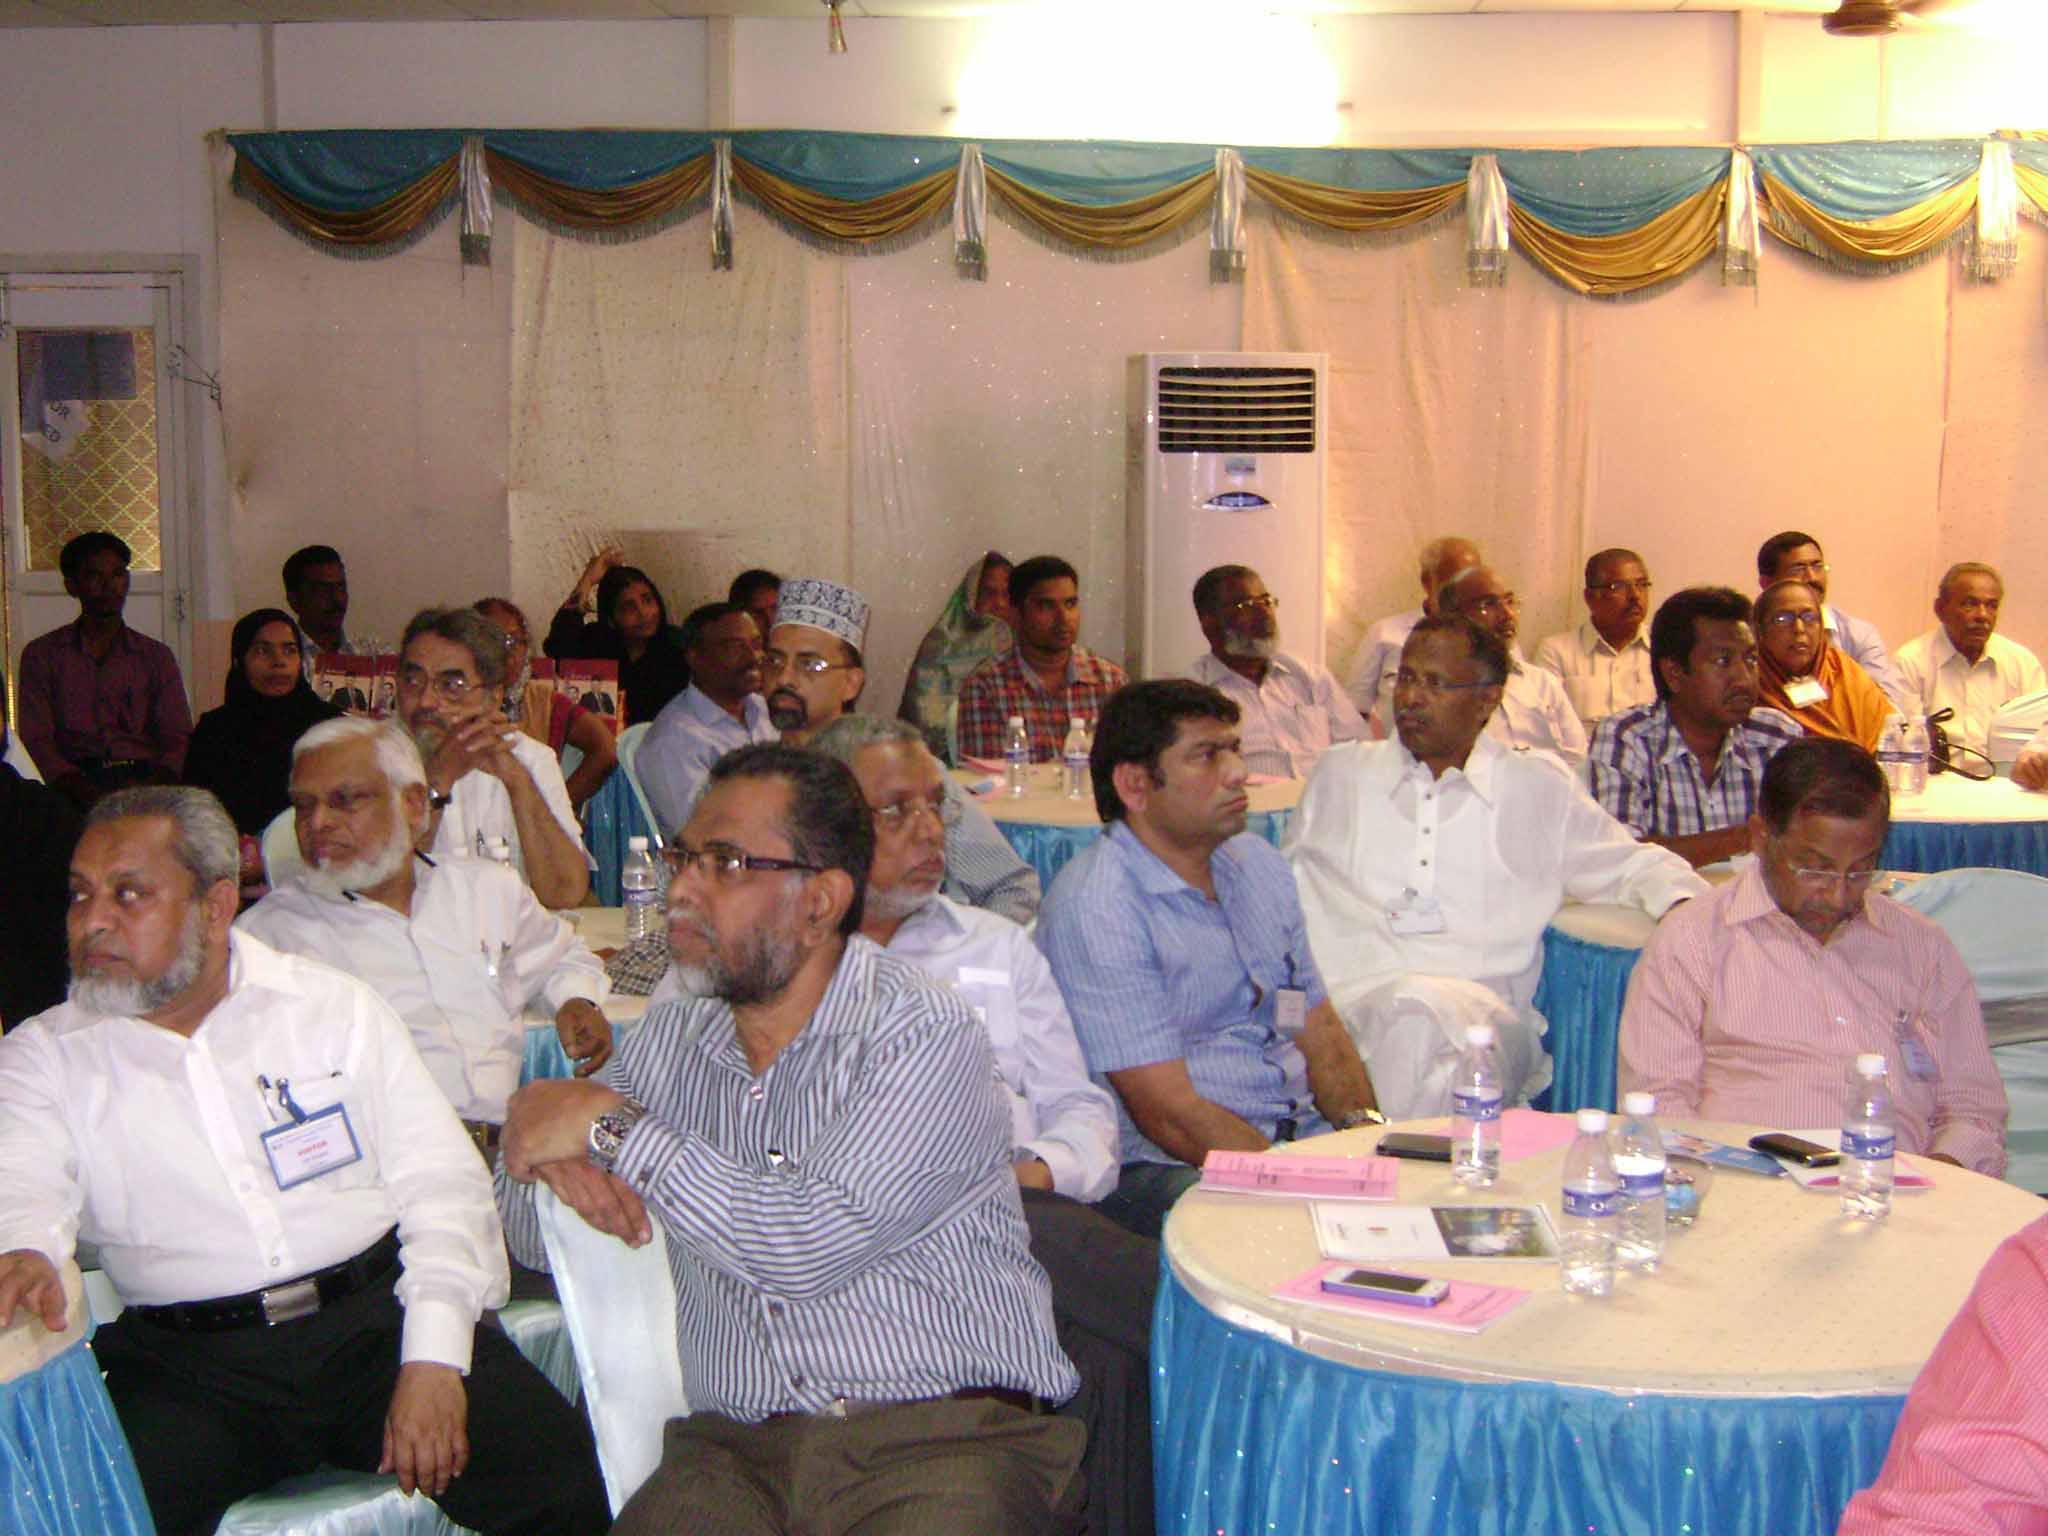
(458, 947)
(1290, 712)
(280, 1196)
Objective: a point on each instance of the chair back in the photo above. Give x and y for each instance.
(629, 758)
(620, 1304)
(281, 861)
(1995, 917)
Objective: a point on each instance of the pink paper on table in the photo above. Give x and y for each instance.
(1526, 1132)
(984, 764)
(1299, 1173)
(1467, 1307)
(1264, 778)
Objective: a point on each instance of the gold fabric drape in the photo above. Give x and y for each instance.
(389, 223)
(1111, 226)
(1672, 243)
(1349, 210)
(644, 202)
(878, 218)
(2033, 187)
(1898, 237)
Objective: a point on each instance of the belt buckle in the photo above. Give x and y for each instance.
(287, 1303)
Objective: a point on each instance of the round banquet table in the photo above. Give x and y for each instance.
(1047, 828)
(543, 1056)
(1956, 823)
(1750, 1386)
(1589, 951)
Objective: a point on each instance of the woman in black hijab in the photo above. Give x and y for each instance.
(242, 751)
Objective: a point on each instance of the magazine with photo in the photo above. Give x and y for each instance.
(1365, 1233)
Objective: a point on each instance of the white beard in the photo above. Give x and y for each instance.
(126, 997)
(893, 906)
(1251, 647)
(361, 874)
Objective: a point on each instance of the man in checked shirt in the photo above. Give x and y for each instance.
(1750, 1003)
(866, 1341)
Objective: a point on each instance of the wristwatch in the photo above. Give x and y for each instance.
(609, 1130)
(437, 800)
(1358, 1117)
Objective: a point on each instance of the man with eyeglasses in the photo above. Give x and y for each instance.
(1963, 664)
(457, 946)
(814, 676)
(1429, 866)
(1605, 662)
(1750, 1004)
(1289, 711)
(1534, 709)
(1177, 940)
(485, 779)
(861, 1326)
(1372, 677)
(721, 709)
(1796, 556)
(1684, 772)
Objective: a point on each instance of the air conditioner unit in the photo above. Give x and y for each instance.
(1226, 468)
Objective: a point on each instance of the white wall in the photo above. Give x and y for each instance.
(105, 126)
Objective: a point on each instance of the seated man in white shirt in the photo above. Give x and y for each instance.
(1063, 1124)
(285, 1204)
(1605, 662)
(1796, 556)
(1372, 676)
(1963, 664)
(485, 778)
(458, 947)
(721, 709)
(1534, 710)
(1430, 865)
(1289, 711)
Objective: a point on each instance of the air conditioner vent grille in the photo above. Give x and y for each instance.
(1237, 410)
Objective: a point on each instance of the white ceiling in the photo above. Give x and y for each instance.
(115, 13)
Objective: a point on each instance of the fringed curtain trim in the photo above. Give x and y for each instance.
(1353, 212)
(1670, 245)
(1895, 240)
(1114, 226)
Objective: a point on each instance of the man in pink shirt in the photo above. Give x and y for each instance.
(1971, 1450)
(1749, 1004)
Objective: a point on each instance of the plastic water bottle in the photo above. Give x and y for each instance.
(1914, 753)
(1892, 755)
(1016, 756)
(1079, 785)
(1868, 1137)
(1639, 1164)
(642, 887)
(1592, 1210)
(1475, 1111)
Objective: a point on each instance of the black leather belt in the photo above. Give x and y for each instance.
(279, 1303)
(852, 1407)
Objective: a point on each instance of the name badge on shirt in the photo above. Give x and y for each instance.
(1421, 916)
(1290, 1011)
(305, 1149)
(1802, 691)
(1918, 1059)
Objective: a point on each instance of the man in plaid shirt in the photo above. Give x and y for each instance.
(1684, 771)
(1046, 677)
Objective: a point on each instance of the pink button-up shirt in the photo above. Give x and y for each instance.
(1971, 1449)
(1735, 1013)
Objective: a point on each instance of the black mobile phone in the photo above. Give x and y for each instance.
(1806, 1154)
(1430, 1149)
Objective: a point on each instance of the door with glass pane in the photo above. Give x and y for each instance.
(92, 442)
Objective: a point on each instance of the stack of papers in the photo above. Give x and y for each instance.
(1301, 1175)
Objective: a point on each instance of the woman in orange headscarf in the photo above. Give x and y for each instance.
(1804, 675)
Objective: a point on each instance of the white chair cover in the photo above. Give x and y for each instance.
(1996, 917)
(620, 1303)
(629, 757)
(281, 861)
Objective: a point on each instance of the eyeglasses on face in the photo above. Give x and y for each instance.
(773, 662)
(1799, 568)
(1433, 685)
(725, 863)
(1640, 586)
(901, 815)
(342, 802)
(1490, 605)
(1265, 602)
(1857, 880)
(451, 685)
(1785, 618)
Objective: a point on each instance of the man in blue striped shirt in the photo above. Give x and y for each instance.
(861, 1326)
(1179, 943)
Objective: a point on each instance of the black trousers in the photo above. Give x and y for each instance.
(213, 1417)
(1103, 1280)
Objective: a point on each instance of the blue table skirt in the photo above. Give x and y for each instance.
(1047, 849)
(64, 1463)
(1252, 1435)
(1580, 996)
(1929, 847)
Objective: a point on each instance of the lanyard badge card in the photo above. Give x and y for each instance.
(309, 1144)
(1913, 1051)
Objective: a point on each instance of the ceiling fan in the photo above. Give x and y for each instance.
(1876, 18)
